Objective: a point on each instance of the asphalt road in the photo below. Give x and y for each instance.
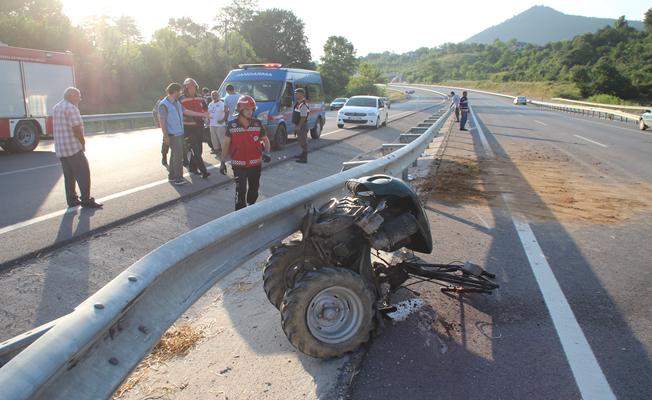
(507, 346)
(127, 176)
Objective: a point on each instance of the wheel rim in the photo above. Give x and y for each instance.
(318, 128)
(334, 315)
(25, 135)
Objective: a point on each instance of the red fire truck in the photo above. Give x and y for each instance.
(31, 82)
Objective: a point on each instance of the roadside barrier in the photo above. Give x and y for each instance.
(89, 352)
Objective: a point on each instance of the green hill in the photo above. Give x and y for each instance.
(541, 24)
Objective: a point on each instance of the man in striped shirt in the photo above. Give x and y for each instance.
(69, 145)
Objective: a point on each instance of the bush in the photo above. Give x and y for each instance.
(606, 99)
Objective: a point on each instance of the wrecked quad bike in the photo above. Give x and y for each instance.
(326, 286)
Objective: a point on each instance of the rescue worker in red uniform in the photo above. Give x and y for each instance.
(193, 126)
(245, 147)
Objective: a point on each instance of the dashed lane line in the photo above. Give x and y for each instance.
(591, 141)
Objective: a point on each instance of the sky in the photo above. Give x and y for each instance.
(371, 25)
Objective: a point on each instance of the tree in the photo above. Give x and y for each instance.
(647, 21)
(337, 64)
(606, 79)
(364, 83)
(278, 36)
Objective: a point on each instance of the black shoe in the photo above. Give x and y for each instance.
(302, 161)
(91, 203)
(463, 129)
(74, 203)
(205, 175)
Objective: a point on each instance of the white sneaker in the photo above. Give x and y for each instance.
(180, 182)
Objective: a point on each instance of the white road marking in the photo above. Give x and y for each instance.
(585, 368)
(587, 372)
(485, 144)
(591, 141)
(17, 171)
(540, 123)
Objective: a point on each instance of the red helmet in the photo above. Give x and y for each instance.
(245, 102)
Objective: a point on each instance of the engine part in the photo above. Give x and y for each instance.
(395, 232)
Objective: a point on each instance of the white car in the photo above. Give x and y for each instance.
(520, 100)
(363, 110)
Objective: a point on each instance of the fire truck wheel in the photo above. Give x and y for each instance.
(328, 312)
(284, 267)
(26, 138)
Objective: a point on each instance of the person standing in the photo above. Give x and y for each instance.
(165, 149)
(231, 101)
(243, 149)
(170, 114)
(455, 103)
(218, 111)
(464, 109)
(194, 126)
(69, 146)
(300, 121)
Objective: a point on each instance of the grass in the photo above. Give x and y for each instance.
(533, 90)
(395, 95)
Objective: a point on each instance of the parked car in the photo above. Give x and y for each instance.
(363, 110)
(338, 103)
(645, 121)
(388, 103)
(520, 100)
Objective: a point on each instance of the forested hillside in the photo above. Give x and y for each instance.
(615, 60)
(541, 24)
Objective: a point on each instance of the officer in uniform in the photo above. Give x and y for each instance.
(245, 147)
(300, 121)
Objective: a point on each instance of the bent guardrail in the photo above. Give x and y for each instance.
(89, 352)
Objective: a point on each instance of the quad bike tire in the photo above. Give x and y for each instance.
(328, 312)
(283, 267)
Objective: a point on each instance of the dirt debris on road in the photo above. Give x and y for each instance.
(539, 181)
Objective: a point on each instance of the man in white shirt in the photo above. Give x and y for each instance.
(231, 100)
(455, 102)
(219, 112)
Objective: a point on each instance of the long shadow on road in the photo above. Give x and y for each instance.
(505, 345)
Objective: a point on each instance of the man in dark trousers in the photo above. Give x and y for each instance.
(70, 145)
(464, 110)
(300, 121)
(243, 149)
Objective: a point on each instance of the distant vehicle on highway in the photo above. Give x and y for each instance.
(338, 103)
(645, 120)
(32, 82)
(363, 110)
(409, 91)
(388, 103)
(520, 100)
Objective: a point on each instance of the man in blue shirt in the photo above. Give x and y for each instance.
(170, 115)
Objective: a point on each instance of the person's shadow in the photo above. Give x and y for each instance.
(66, 284)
